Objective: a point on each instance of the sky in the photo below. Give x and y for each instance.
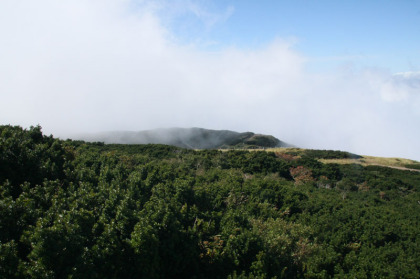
(341, 75)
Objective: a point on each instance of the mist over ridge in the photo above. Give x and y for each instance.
(192, 138)
(77, 66)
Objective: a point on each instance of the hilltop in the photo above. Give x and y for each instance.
(191, 138)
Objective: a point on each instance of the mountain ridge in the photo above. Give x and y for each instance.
(191, 138)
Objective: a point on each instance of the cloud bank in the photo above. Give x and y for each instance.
(88, 66)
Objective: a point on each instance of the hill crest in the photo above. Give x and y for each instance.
(191, 138)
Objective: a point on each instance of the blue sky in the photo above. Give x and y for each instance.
(318, 74)
(368, 33)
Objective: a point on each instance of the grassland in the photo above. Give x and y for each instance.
(397, 163)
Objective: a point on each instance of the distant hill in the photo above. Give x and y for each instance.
(192, 138)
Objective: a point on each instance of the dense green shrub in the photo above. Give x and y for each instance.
(71, 209)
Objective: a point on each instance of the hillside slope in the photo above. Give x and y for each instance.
(72, 209)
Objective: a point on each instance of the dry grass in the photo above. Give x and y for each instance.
(274, 149)
(365, 160)
(285, 149)
(398, 163)
(343, 161)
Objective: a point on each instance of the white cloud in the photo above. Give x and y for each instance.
(398, 87)
(202, 10)
(208, 18)
(84, 66)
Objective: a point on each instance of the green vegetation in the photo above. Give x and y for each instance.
(415, 166)
(71, 209)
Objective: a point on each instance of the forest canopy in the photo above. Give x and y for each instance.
(73, 209)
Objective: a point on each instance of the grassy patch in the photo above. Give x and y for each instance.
(376, 161)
